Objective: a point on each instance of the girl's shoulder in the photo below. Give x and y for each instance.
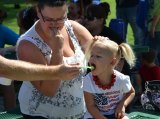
(88, 76)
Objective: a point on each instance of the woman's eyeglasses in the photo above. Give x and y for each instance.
(90, 18)
(59, 20)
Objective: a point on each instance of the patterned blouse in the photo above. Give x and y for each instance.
(68, 102)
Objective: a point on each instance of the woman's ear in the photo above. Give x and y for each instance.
(38, 12)
(101, 20)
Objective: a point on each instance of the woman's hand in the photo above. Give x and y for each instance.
(57, 39)
(56, 43)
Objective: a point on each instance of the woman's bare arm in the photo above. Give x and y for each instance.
(83, 35)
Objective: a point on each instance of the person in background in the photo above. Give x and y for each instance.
(53, 40)
(83, 5)
(77, 8)
(26, 18)
(149, 70)
(142, 13)
(127, 11)
(73, 11)
(95, 21)
(7, 37)
(154, 27)
(107, 92)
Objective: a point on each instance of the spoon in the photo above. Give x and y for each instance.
(88, 67)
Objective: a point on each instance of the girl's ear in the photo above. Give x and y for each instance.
(114, 62)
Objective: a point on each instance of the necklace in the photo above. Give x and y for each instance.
(98, 83)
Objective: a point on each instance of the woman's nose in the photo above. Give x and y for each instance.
(55, 24)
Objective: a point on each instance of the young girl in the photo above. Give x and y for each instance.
(107, 92)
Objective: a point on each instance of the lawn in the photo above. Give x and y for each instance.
(11, 21)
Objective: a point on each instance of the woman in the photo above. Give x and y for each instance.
(53, 40)
(95, 21)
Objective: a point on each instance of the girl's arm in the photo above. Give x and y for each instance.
(91, 107)
(128, 97)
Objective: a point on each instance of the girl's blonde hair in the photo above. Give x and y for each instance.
(118, 51)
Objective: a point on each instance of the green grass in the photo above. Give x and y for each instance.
(11, 21)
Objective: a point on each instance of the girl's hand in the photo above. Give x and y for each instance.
(120, 111)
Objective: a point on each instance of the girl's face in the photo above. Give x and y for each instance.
(52, 17)
(100, 60)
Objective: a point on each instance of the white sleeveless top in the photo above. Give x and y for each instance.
(68, 102)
